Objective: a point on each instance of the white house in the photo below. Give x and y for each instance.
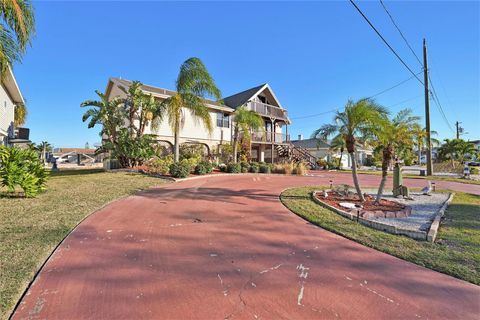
(261, 99)
(10, 96)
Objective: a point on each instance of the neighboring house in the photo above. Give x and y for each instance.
(260, 98)
(321, 150)
(10, 96)
(76, 155)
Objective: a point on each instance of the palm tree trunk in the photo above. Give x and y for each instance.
(355, 176)
(340, 160)
(235, 145)
(387, 155)
(176, 145)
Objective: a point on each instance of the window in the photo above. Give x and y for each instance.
(223, 120)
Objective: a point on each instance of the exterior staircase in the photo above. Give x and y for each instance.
(289, 152)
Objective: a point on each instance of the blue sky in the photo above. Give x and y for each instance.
(315, 55)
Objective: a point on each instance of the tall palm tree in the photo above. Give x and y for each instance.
(17, 26)
(193, 84)
(108, 113)
(356, 120)
(390, 137)
(243, 121)
(338, 145)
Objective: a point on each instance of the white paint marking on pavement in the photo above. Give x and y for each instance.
(303, 271)
(300, 296)
(272, 268)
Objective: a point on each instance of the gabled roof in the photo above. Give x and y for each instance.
(162, 93)
(241, 98)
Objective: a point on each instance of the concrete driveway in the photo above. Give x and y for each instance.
(225, 248)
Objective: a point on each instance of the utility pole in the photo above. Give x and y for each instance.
(427, 109)
(459, 129)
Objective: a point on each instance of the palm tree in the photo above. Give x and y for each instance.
(338, 145)
(17, 27)
(193, 84)
(141, 107)
(449, 150)
(356, 120)
(108, 113)
(20, 116)
(421, 139)
(243, 121)
(390, 137)
(465, 150)
(44, 147)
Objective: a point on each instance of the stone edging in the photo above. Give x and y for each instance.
(432, 233)
(417, 235)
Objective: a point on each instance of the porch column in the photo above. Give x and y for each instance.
(274, 136)
(261, 151)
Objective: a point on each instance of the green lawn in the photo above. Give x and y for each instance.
(456, 251)
(31, 228)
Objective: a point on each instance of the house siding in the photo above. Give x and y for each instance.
(6, 114)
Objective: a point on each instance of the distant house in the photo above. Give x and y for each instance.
(260, 99)
(10, 96)
(76, 155)
(321, 150)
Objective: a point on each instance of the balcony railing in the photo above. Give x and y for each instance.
(269, 137)
(268, 110)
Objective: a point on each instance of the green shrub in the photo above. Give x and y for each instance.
(245, 167)
(264, 168)
(180, 169)
(254, 167)
(234, 168)
(24, 169)
(159, 165)
(222, 167)
(203, 167)
(473, 170)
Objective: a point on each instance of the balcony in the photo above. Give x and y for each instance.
(269, 137)
(268, 110)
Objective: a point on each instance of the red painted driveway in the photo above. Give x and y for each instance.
(225, 248)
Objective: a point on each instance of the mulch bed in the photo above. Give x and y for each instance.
(386, 208)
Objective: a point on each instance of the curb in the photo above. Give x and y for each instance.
(416, 235)
(432, 233)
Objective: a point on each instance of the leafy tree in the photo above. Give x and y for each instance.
(390, 138)
(193, 84)
(17, 26)
(243, 121)
(22, 168)
(466, 150)
(355, 121)
(108, 113)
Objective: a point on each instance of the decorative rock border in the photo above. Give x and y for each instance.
(432, 233)
(417, 235)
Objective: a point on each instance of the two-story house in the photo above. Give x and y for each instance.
(10, 96)
(260, 98)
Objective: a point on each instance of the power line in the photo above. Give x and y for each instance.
(401, 33)
(314, 115)
(439, 105)
(393, 87)
(385, 41)
(408, 100)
